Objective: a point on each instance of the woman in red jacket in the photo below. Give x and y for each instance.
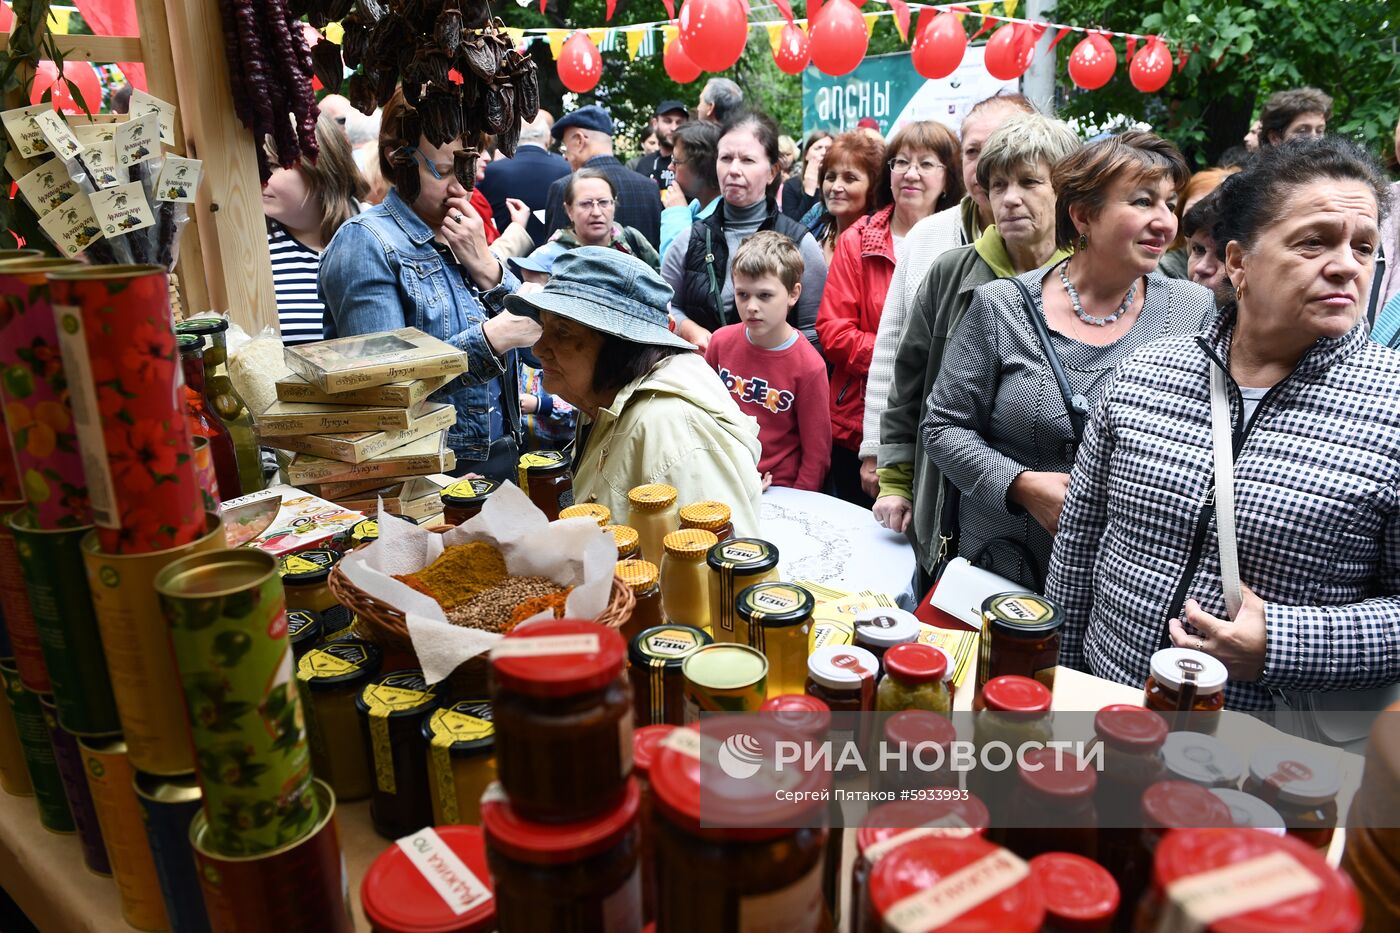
(923, 174)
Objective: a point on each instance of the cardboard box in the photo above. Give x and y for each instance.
(368, 360)
(364, 445)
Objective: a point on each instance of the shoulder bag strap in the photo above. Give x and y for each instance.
(1222, 440)
(1076, 405)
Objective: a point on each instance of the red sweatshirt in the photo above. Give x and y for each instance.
(788, 392)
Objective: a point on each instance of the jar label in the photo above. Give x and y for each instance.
(686, 741)
(458, 886)
(957, 893)
(298, 619)
(469, 488)
(444, 782)
(367, 530)
(383, 754)
(333, 660)
(1197, 901)
(1023, 607)
(742, 552)
(776, 599)
(947, 826)
(381, 699)
(671, 642)
(545, 645)
(313, 561)
(450, 726)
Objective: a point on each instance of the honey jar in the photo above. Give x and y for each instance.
(643, 578)
(304, 575)
(777, 618)
(654, 515)
(1201, 759)
(460, 741)
(1080, 894)
(591, 510)
(685, 592)
(331, 678)
(710, 516)
(658, 685)
(392, 708)
(995, 886)
(734, 567)
(629, 543)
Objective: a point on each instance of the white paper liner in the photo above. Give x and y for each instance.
(571, 552)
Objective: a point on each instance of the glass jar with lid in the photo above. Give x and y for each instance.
(1201, 759)
(202, 420)
(398, 897)
(629, 543)
(464, 499)
(563, 717)
(777, 617)
(843, 677)
(654, 514)
(1017, 711)
(590, 510)
(646, 745)
(1053, 807)
(734, 567)
(1132, 740)
(1301, 783)
(303, 631)
(656, 656)
(644, 579)
(460, 740)
(880, 629)
(709, 516)
(800, 713)
(1249, 812)
(914, 679)
(1020, 636)
(545, 476)
(724, 678)
(392, 708)
(304, 578)
(995, 885)
(227, 404)
(1168, 807)
(330, 679)
(685, 583)
(1183, 680)
(1080, 894)
(922, 742)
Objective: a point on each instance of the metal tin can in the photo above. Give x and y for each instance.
(330, 678)
(168, 807)
(7, 254)
(14, 775)
(654, 666)
(39, 760)
(228, 629)
(304, 575)
(75, 787)
(303, 631)
(124, 381)
(724, 678)
(204, 473)
(777, 617)
(62, 606)
(112, 780)
(392, 709)
(10, 490)
(136, 643)
(461, 741)
(734, 566)
(300, 886)
(14, 603)
(38, 417)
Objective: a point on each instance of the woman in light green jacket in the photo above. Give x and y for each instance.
(650, 409)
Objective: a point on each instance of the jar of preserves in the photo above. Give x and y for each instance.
(330, 679)
(563, 717)
(398, 896)
(643, 578)
(1020, 636)
(1249, 812)
(724, 678)
(1080, 895)
(777, 617)
(225, 401)
(629, 543)
(923, 742)
(914, 679)
(1301, 783)
(991, 888)
(464, 499)
(734, 567)
(1053, 808)
(743, 851)
(842, 677)
(1167, 807)
(658, 687)
(1016, 711)
(591, 510)
(461, 744)
(392, 708)
(580, 875)
(1131, 738)
(1242, 879)
(654, 515)
(364, 533)
(303, 631)
(304, 575)
(546, 478)
(685, 591)
(1201, 759)
(878, 630)
(1189, 682)
(646, 745)
(709, 516)
(797, 712)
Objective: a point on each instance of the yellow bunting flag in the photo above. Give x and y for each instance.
(598, 36)
(335, 32)
(775, 36)
(870, 19)
(986, 7)
(669, 33)
(515, 35)
(58, 22)
(1011, 6)
(635, 38)
(556, 38)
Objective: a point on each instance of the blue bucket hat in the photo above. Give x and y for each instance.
(608, 291)
(541, 260)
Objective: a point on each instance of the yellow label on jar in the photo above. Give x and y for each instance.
(382, 753)
(543, 459)
(332, 661)
(776, 599)
(1025, 608)
(742, 552)
(450, 726)
(469, 489)
(444, 782)
(383, 699)
(296, 565)
(671, 643)
(365, 530)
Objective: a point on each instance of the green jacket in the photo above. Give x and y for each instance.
(627, 239)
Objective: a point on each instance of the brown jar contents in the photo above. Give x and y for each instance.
(1302, 786)
(629, 542)
(392, 709)
(464, 499)
(1053, 808)
(1020, 636)
(591, 510)
(715, 517)
(1183, 681)
(644, 579)
(1132, 739)
(545, 477)
(655, 658)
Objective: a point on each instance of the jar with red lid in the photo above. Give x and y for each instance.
(646, 744)
(1131, 738)
(923, 742)
(756, 853)
(1053, 808)
(891, 825)
(955, 884)
(546, 477)
(800, 713)
(1166, 805)
(914, 679)
(435, 881)
(563, 716)
(1016, 711)
(1183, 680)
(1301, 783)
(1247, 880)
(1080, 895)
(583, 875)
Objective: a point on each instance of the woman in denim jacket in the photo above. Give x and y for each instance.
(420, 259)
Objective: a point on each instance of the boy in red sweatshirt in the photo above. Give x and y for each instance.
(773, 372)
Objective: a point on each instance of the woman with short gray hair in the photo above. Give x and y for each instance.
(590, 202)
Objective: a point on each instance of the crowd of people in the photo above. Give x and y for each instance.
(999, 340)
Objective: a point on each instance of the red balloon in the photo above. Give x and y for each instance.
(839, 39)
(80, 73)
(1151, 68)
(1008, 54)
(794, 50)
(939, 46)
(678, 64)
(714, 32)
(1092, 63)
(580, 64)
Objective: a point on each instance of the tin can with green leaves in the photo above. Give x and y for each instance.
(14, 772)
(47, 783)
(228, 628)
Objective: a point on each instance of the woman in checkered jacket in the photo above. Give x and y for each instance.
(1316, 416)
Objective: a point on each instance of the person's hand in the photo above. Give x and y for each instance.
(507, 331)
(465, 234)
(519, 211)
(673, 197)
(811, 176)
(869, 478)
(767, 480)
(689, 330)
(529, 404)
(894, 512)
(1239, 644)
(1042, 495)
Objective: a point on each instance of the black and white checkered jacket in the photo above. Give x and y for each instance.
(1317, 488)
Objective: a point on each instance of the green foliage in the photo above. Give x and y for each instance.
(1241, 52)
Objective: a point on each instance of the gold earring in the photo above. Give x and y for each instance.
(1083, 241)
(1239, 291)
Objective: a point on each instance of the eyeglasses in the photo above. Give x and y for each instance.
(603, 204)
(440, 172)
(925, 166)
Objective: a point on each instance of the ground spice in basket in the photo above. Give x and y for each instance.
(491, 609)
(461, 572)
(553, 602)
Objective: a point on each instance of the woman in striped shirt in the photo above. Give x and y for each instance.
(305, 206)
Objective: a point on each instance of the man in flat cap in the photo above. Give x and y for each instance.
(585, 136)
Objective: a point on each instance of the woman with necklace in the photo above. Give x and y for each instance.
(997, 424)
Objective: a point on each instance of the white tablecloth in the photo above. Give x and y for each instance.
(827, 540)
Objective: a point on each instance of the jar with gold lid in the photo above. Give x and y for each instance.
(599, 513)
(685, 584)
(464, 499)
(777, 617)
(545, 476)
(734, 567)
(709, 516)
(629, 543)
(654, 515)
(643, 578)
